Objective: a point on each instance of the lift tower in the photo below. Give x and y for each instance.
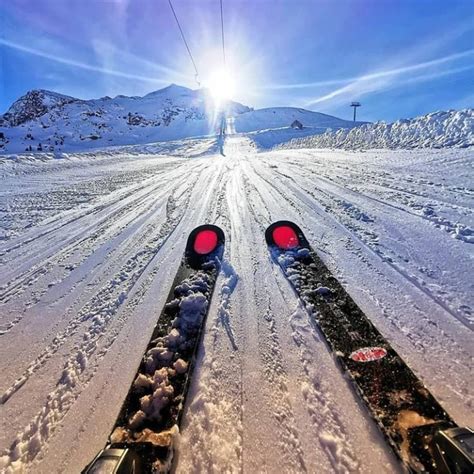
(355, 105)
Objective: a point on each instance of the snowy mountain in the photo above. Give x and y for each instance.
(272, 126)
(279, 117)
(436, 130)
(46, 121)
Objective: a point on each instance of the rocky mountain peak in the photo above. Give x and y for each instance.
(34, 104)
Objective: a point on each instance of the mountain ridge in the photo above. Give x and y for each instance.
(43, 120)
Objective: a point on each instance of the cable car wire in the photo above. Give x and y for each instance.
(196, 76)
(222, 31)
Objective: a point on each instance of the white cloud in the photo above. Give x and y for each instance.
(386, 79)
(80, 64)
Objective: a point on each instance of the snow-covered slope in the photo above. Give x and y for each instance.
(62, 123)
(272, 126)
(454, 128)
(278, 117)
(91, 244)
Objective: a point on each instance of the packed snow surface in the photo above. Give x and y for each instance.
(454, 128)
(89, 247)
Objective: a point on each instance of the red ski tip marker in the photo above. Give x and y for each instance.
(368, 354)
(285, 237)
(205, 242)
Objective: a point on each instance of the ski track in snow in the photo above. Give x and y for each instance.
(368, 238)
(89, 246)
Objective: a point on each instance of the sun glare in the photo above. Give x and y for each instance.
(221, 86)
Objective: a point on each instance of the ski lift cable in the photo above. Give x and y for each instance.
(196, 76)
(222, 32)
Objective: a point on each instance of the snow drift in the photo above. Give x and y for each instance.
(436, 130)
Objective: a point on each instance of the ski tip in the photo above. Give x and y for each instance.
(285, 235)
(204, 242)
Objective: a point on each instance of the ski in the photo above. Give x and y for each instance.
(418, 429)
(142, 439)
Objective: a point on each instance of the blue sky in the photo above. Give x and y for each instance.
(399, 58)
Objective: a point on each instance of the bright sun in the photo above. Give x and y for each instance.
(221, 86)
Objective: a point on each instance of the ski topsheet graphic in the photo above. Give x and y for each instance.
(143, 436)
(407, 413)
